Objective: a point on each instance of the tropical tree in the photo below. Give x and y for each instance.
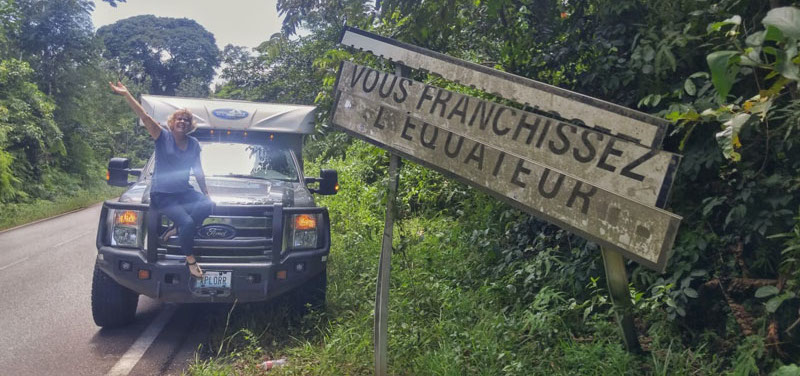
(29, 136)
(56, 37)
(280, 71)
(162, 51)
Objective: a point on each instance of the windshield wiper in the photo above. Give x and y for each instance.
(242, 176)
(245, 176)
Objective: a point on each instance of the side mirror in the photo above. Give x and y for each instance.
(118, 172)
(328, 182)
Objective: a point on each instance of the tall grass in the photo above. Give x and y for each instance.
(12, 215)
(453, 310)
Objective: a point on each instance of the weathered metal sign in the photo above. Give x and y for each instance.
(641, 232)
(580, 109)
(618, 166)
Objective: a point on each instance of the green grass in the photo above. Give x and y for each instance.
(12, 215)
(449, 315)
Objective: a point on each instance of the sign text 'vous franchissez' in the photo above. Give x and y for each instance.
(594, 184)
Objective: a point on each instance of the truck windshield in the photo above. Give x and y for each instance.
(247, 161)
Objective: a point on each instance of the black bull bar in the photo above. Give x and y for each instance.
(152, 221)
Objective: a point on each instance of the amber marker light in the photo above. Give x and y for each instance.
(127, 217)
(281, 274)
(144, 274)
(336, 187)
(212, 131)
(228, 133)
(305, 222)
(271, 136)
(108, 175)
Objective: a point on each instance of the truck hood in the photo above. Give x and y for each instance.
(237, 191)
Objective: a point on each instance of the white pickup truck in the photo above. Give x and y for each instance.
(265, 236)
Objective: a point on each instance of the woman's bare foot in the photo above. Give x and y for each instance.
(194, 268)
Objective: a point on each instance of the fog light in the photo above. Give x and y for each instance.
(144, 274)
(124, 265)
(300, 267)
(281, 274)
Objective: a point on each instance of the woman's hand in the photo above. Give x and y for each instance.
(119, 88)
(152, 126)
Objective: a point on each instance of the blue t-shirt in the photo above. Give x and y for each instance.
(173, 165)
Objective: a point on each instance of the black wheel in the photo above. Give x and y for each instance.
(312, 294)
(112, 304)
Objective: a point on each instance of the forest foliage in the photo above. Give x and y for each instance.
(59, 122)
(724, 73)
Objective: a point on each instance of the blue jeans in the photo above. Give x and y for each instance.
(187, 210)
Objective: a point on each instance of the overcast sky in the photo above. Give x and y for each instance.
(239, 22)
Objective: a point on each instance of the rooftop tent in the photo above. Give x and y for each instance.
(234, 115)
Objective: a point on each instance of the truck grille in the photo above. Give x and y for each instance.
(252, 241)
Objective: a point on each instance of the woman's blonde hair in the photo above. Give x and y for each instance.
(182, 111)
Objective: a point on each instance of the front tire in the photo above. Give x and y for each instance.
(113, 305)
(312, 294)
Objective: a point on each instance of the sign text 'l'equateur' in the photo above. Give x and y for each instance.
(641, 232)
(616, 165)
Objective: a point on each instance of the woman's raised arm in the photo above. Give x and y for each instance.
(152, 126)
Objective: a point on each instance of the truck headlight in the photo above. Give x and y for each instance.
(126, 228)
(303, 231)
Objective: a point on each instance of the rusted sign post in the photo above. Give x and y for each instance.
(588, 166)
(381, 325)
(617, 281)
(384, 272)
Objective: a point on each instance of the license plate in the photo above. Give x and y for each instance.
(214, 279)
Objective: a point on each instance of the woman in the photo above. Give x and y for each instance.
(176, 154)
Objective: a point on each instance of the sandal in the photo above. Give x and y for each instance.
(194, 267)
(172, 230)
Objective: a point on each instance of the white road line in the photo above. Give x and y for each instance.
(13, 263)
(137, 350)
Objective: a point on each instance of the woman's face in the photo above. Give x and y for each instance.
(182, 124)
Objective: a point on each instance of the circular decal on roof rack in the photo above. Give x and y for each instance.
(230, 113)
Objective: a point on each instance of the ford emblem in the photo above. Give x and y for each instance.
(230, 113)
(216, 231)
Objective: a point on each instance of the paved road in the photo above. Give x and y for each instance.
(46, 325)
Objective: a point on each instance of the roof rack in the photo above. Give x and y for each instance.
(234, 115)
